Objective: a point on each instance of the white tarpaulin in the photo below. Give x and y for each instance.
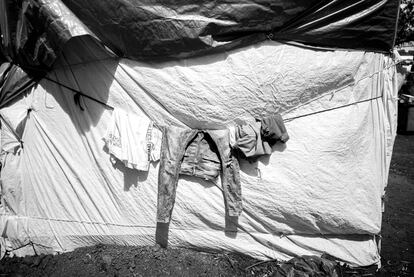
(319, 192)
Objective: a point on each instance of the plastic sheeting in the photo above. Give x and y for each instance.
(154, 29)
(13, 82)
(35, 31)
(320, 192)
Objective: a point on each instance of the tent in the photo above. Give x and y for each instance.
(323, 65)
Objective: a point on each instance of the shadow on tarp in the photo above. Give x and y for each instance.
(84, 66)
(251, 166)
(162, 230)
(132, 177)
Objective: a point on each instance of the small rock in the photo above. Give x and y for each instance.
(87, 258)
(28, 260)
(106, 262)
(132, 264)
(107, 259)
(37, 260)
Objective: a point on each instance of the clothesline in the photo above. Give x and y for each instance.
(342, 88)
(79, 93)
(285, 120)
(331, 109)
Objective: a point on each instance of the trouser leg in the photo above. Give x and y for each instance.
(230, 173)
(173, 147)
(232, 188)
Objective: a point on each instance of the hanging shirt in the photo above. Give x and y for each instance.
(249, 141)
(133, 140)
(273, 129)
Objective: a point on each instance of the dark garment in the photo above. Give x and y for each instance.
(174, 143)
(201, 158)
(273, 129)
(249, 141)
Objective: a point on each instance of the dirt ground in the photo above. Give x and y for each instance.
(398, 217)
(105, 260)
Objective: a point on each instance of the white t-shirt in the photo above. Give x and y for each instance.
(133, 139)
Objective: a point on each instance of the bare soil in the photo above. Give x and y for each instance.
(105, 260)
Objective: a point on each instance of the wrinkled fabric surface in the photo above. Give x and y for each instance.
(320, 192)
(149, 30)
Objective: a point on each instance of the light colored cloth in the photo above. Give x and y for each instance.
(133, 140)
(232, 135)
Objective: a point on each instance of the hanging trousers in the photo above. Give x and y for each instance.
(175, 141)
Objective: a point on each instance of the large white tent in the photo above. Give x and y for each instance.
(321, 192)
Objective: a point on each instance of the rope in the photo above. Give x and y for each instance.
(79, 92)
(342, 88)
(331, 109)
(285, 120)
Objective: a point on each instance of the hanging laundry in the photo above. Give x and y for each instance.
(133, 140)
(201, 159)
(175, 142)
(249, 140)
(257, 138)
(273, 129)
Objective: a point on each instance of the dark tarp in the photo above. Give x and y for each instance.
(13, 82)
(157, 29)
(307, 266)
(166, 28)
(35, 31)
